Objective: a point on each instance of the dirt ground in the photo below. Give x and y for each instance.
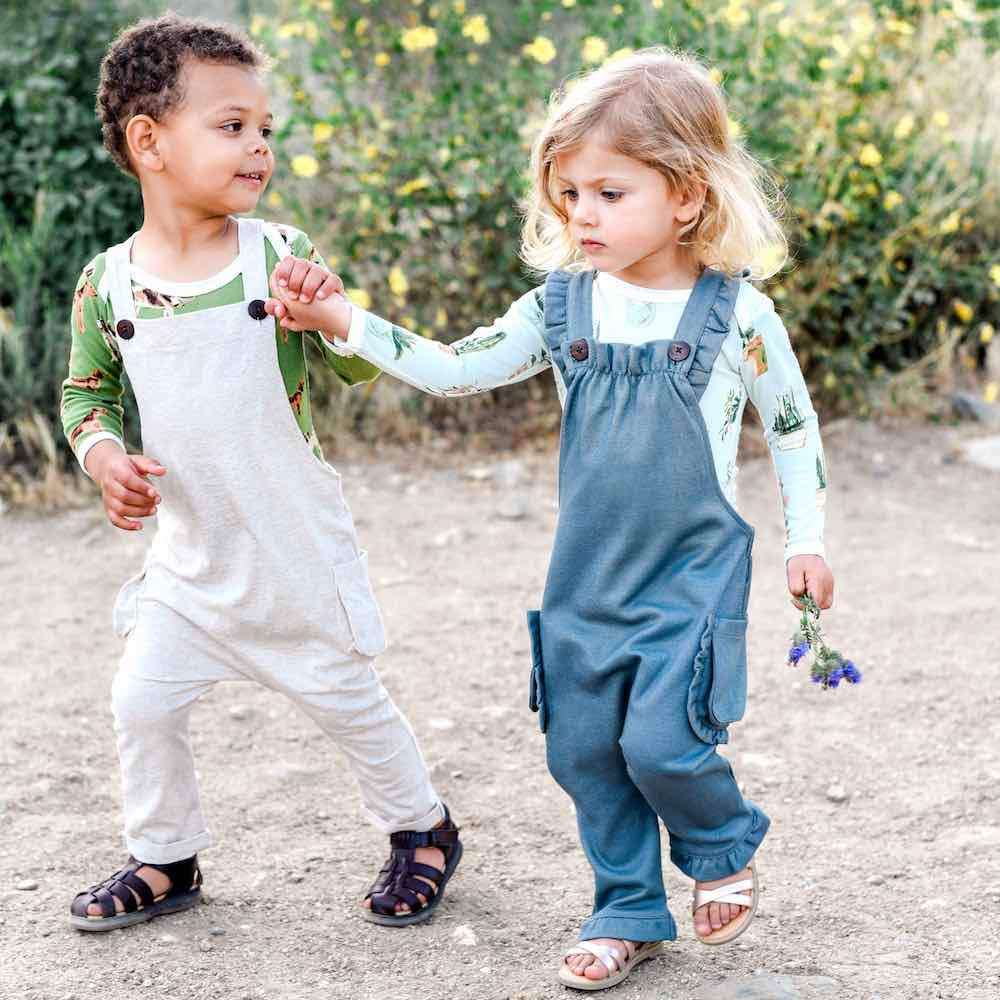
(891, 892)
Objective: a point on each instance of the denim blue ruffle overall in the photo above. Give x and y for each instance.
(639, 650)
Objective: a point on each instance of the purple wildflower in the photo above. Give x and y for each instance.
(835, 677)
(851, 673)
(797, 652)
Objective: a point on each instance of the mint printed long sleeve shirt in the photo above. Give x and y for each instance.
(756, 364)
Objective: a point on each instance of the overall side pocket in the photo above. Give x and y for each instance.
(125, 611)
(717, 696)
(355, 591)
(536, 688)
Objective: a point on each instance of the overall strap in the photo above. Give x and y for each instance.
(569, 300)
(118, 267)
(705, 323)
(253, 260)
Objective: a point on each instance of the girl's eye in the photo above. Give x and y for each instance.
(266, 132)
(612, 195)
(569, 193)
(233, 126)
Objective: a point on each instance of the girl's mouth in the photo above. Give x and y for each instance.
(255, 180)
(591, 245)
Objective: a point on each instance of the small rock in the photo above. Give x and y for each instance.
(512, 509)
(984, 451)
(968, 406)
(891, 958)
(456, 774)
(837, 793)
(169, 939)
(240, 712)
(296, 877)
(216, 931)
(206, 946)
(452, 538)
(441, 724)
(479, 473)
(510, 472)
(27, 885)
(876, 880)
(465, 935)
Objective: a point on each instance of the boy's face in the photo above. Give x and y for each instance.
(214, 147)
(622, 213)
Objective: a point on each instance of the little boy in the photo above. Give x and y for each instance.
(254, 572)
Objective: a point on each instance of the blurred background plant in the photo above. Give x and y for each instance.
(404, 132)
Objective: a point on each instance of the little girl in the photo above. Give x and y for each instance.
(646, 215)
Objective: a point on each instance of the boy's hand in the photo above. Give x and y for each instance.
(810, 573)
(308, 297)
(124, 491)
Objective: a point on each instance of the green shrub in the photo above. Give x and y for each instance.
(407, 142)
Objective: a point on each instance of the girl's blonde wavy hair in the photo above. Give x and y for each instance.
(660, 107)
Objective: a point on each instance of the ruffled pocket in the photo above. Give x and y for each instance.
(717, 696)
(355, 591)
(536, 687)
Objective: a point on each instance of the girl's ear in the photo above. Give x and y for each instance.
(140, 137)
(692, 200)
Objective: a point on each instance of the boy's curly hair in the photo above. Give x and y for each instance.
(142, 71)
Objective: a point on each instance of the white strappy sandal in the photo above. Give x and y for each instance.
(732, 894)
(617, 964)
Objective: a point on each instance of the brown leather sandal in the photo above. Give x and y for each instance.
(125, 885)
(397, 882)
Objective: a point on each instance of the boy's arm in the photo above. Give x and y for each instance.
(777, 389)
(91, 407)
(349, 369)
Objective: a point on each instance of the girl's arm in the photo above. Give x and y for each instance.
(774, 384)
(511, 349)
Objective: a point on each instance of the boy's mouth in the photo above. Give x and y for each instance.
(591, 245)
(254, 179)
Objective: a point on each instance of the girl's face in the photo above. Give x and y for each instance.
(213, 150)
(624, 217)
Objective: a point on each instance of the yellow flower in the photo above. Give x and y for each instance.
(903, 127)
(735, 128)
(735, 15)
(892, 200)
(361, 26)
(398, 284)
(716, 74)
(322, 131)
(477, 29)
(408, 322)
(995, 274)
(986, 333)
(951, 223)
(382, 59)
(360, 298)
(991, 392)
(772, 257)
(618, 10)
(569, 3)
(899, 27)
(290, 29)
(594, 49)
(941, 119)
(657, 4)
(618, 55)
(371, 151)
(829, 380)
(441, 319)
(275, 200)
(417, 184)
(869, 155)
(541, 50)
(472, 58)
(305, 165)
(459, 6)
(785, 27)
(257, 24)
(840, 45)
(963, 310)
(419, 38)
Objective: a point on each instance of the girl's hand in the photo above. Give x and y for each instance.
(124, 491)
(308, 297)
(810, 573)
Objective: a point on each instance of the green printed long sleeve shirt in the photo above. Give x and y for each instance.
(92, 394)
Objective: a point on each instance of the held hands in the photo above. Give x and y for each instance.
(124, 491)
(810, 573)
(308, 297)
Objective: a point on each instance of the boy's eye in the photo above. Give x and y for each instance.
(568, 193)
(267, 132)
(233, 126)
(612, 195)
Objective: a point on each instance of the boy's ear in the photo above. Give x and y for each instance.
(140, 137)
(692, 200)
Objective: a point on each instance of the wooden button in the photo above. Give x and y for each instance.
(125, 329)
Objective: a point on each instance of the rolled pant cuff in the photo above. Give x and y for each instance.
(625, 928)
(706, 868)
(167, 854)
(421, 824)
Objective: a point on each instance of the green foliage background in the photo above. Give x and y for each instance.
(403, 145)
